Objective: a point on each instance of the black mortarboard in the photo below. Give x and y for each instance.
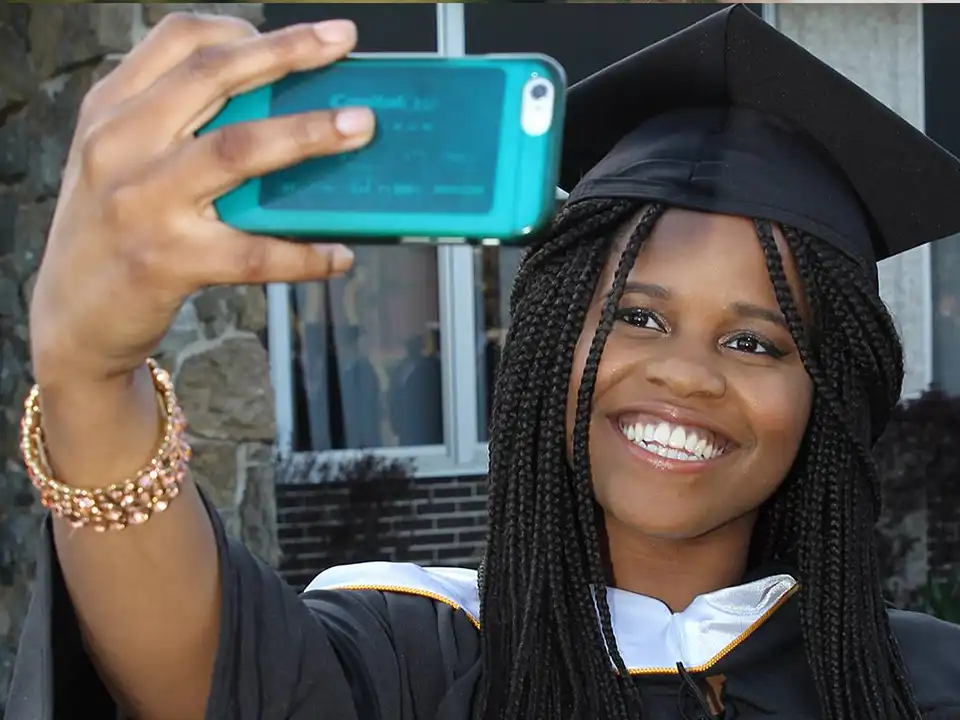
(730, 116)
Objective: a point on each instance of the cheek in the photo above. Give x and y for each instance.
(779, 409)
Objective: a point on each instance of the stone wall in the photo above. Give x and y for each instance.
(49, 56)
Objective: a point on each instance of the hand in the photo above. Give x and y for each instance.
(134, 233)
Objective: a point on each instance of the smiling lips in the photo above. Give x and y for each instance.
(672, 440)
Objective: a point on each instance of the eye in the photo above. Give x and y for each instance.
(752, 345)
(642, 319)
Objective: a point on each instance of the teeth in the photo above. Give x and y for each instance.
(678, 438)
(675, 442)
(700, 447)
(661, 435)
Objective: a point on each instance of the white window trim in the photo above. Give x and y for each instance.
(280, 358)
(926, 251)
(462, 454)
(769, 14)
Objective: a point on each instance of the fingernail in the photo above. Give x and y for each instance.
(354, 121)
(341, 257)
(336, 32)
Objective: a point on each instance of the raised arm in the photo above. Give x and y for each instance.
(134, 234)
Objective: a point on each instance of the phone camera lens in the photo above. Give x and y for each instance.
(539, 91)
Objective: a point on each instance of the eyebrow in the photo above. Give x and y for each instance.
(744, 310)
(654, 291)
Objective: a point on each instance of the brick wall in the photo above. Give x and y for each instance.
(442, 523)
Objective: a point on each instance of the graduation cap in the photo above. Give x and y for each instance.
(730, 116)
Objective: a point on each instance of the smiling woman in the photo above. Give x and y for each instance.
(701, 398)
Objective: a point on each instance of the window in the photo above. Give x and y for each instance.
(495, 268)
(368, 366)
(384, 358)
(400, 355)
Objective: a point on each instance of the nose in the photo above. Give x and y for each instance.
(686, 375)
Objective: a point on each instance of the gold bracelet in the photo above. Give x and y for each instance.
(117, 506)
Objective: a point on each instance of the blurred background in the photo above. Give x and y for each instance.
(345, 422)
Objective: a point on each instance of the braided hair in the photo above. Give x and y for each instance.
(545, 653)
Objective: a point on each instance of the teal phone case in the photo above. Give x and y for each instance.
(449, 161)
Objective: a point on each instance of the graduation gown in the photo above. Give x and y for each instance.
(393, 641)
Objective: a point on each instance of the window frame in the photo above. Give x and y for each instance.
(462, 453)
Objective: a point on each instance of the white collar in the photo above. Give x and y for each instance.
(651, 638)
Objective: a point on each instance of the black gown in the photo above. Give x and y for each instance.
(361, 654)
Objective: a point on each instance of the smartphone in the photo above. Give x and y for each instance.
(466, 149)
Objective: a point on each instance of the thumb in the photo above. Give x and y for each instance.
(237, 258)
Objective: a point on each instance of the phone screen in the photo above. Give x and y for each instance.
(435, 150)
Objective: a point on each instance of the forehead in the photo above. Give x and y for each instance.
(709, 254)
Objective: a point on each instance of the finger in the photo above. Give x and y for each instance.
(187, 96)
(105, 107)
(175, 38)
(212, 164)
(220, 255)
(191, 93)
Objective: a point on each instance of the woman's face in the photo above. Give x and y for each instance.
(701, 399)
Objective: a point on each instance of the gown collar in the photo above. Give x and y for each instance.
(709, 636)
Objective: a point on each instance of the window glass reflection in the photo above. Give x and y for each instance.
(367, 363)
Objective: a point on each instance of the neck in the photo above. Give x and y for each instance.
(677, 571)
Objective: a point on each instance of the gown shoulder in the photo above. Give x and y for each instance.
(359, 644)
(931, 652)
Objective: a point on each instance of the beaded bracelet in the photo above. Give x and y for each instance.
(116, 506)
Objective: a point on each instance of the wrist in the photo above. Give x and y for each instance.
(75, 373)
(99, 431)
(97, 455)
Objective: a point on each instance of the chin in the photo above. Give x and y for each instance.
(676, 524)
(673, 519)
